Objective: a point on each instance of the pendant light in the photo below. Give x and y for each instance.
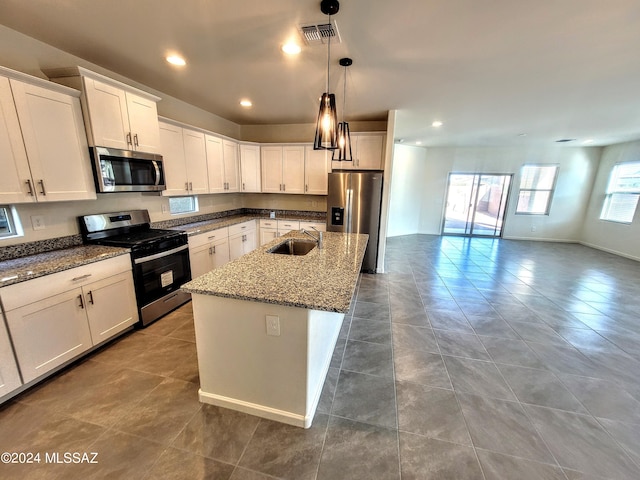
(327, 124)
(343, 152)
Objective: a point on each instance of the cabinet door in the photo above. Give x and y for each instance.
(293, 169)
(215, 164)
(15, 181)
(49, 332)
(108, 115)
(143, 123)
(175, 168)
(249, 241)
(220, 253)
(271, 169)
(55, 141)
(250, 168)
(231, 165)
(111, 306)
(268, 234)
(369, 151)
(236, 246)
(201, 260)
(316, 171)
(9, 376)
(196, 160)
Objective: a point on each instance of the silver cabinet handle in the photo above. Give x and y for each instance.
(129, 138)
(191, 186)
(306, 188)
(210, 250)
(30, 191)
(81, 277)
(186, 186)
(284, 187)
(214, 249)
(243, 186)
(135, 140)
(90, 297)
(41, 182)
(81, 301)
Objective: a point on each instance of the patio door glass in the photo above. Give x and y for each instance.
(476, 204)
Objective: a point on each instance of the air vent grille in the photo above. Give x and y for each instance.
(320, 33)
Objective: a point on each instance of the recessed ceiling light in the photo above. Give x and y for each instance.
(176, 60)
(436, 124)
(522, 134)
(246, 103)
(418, 142)
(588, 140)
(291, 48)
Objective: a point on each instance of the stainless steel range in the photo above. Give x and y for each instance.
(160, 258)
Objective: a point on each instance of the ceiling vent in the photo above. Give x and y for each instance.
(319, 33)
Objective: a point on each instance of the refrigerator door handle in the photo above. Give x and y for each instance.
(349, 210)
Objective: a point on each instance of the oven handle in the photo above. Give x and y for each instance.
(160, 255)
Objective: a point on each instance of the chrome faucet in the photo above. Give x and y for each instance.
(318, 239)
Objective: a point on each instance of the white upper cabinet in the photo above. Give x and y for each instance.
(367, 152)
(116, 115)
(231, 165)
(250, 168)
(185, 160)
(316, 171)
(223, 165)
(53, 163)
(282, 168)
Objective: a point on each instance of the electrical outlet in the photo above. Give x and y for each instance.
(272, 215)
(273, 325)
(37, 221)
(165, 208)
(533, 228)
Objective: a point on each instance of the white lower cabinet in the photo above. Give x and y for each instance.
(242, 239)
(268, 230)
(208, 251)
(9, 376)
(55, 318)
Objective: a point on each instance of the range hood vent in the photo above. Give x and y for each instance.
(319, 33)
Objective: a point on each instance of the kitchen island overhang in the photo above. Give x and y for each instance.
(267, 324)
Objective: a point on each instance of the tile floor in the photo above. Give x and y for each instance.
(470, 359)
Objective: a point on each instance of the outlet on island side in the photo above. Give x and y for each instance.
(273, 325)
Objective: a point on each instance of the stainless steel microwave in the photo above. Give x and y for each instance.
(127, 171)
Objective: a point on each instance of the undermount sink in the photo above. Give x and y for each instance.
(293, 247)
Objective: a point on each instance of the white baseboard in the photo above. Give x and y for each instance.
(609, 250)
(537, 239)
(255, 409)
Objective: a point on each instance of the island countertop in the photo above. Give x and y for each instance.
(323, 279)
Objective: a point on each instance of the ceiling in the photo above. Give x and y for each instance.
(495, 72)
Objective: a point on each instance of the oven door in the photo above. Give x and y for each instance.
(157, 275)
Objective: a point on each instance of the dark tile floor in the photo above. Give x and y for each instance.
(470, 359)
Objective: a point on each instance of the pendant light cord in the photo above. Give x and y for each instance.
(328, 57)
(344, 93)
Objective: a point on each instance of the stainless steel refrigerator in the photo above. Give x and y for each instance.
(353, 206)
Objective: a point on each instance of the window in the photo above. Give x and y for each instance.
(178, 205)
(537, 183)
(622, 193)
(9, 222)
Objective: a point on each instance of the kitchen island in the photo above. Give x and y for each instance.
(266, 325)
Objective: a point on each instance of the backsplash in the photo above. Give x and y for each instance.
(10, 252)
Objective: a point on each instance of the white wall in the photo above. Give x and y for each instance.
(564, 223)
(610, 236)
(407, 190)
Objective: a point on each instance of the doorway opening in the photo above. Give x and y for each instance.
(476, 204)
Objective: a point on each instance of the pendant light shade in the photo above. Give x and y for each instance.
(343, 152)
(327, 124)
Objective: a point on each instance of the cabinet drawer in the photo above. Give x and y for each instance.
(268, 223)
(20, 294)
(208, 237)
(321, 227)
(285, 226)
(242, 227)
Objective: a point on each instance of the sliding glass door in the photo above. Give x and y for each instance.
(476, 204)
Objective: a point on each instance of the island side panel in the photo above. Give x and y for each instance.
(243, 368)
(324, 329)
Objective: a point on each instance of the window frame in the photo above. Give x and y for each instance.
(610, 193)
(13, 221)
(193, 199)
(551, 190)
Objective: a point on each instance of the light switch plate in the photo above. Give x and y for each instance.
(273, 325)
